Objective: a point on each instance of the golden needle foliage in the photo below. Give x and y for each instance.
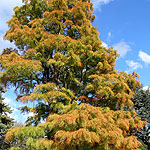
(81, 127)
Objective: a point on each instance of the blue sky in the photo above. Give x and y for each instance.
(123, 24)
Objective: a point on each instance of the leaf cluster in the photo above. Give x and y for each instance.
(81, 127)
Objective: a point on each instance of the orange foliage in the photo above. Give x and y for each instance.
(84, 126)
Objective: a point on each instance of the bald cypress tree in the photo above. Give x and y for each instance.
(60, 60)
(81, 127)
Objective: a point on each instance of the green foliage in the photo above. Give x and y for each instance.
(5, 121)
(143, 146)
(141, 102)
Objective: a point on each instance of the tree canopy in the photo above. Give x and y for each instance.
(58, 50)
(59, 59)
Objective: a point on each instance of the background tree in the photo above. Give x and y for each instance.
(141, 102)
(5, 121)
(60, 59)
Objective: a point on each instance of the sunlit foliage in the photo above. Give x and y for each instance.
(81, 127)
(59, 59)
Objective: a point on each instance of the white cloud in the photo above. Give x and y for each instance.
(133, 65)
(144, 57)
(104, 45)
(99, 3)
(122, 47)
(109, 36)
(30, 114)
(146, 88)
(7, 101)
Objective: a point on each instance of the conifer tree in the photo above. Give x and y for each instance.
(141, 102)
(60, 59)
(5, 121)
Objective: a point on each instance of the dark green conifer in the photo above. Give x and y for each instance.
(141, 102)
(5, 121)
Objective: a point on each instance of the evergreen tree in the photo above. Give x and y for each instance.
(141, 102)
(60, 59)
(5, 121)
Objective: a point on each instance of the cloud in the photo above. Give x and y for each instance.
(146, 88)
(104, 45)
(122, 47)
(30, 114)
(133, 65)
(7, 101)
(144, 57)
(99, 3)
(109, 36)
